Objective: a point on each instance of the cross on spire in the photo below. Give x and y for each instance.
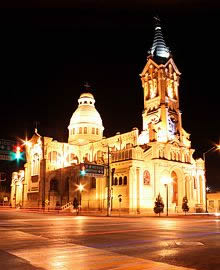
(87, 86)
(36, 123)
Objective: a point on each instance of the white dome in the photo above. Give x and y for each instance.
(86, 114)
(86, 123)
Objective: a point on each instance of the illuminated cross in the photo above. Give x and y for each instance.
(36, 123)
(87, 86)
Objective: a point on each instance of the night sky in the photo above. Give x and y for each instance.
(47, 55)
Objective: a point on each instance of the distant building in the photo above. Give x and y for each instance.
(139, 161)
(213, 202)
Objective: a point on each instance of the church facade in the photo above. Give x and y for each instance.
(139, 162)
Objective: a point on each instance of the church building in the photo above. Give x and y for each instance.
(138, 165)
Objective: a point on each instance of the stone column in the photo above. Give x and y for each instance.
(138, 189)
(131, 180)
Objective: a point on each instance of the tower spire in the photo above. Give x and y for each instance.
(159, 50)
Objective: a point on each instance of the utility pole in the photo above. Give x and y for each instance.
(109, 187)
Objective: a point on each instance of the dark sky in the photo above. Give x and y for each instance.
(48, 54)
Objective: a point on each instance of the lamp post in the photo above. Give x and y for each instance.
(166, 181)
(206, 187)
(108, 186)
(108, 182)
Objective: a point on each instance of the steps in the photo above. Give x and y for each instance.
(67, 206)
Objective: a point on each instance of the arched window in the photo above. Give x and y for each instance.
(80, 130)
(53, 185)
(116, 181)
(146, 177)
(93, 130)
(194, 182)
(93, 182)
(187, 158)
(85, 130)
(55, 158)
(71, 158)
(73, 131)
(130, 154)
(120, 180)
(125, 180)
(113, 181)
(97, 131)
(35, 164)
(52, 156)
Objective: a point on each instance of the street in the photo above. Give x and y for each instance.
(52, 241)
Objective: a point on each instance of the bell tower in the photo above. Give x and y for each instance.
(160, 77)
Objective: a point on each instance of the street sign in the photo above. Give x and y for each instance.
(2, 176)
(93, 170)
(6, 147)
(47, 201)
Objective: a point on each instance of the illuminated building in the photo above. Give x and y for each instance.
(139, 159)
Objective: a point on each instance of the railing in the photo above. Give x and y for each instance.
(66, 206)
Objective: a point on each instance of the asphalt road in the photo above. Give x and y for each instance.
(48, 241)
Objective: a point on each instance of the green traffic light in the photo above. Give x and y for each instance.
(82, 172)
(18, 155)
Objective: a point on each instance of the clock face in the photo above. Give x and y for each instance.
(171, 127)
(154, 119)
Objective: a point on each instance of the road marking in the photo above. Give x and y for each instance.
(186, 243)
(54, 254)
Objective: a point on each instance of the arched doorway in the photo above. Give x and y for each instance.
(54, 185)
(175, 188)
(54, 198)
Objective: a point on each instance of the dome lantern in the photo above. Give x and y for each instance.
(85, 124)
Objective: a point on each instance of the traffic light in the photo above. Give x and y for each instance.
(82, 170)
(18, 152)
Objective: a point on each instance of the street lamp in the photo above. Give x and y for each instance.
(217, 147)
(166, 180)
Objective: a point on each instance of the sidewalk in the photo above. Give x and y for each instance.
(104, 213)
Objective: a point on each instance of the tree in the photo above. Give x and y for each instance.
(159, 205)
(185, 206)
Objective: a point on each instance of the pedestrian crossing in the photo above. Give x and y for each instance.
(52, 254)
